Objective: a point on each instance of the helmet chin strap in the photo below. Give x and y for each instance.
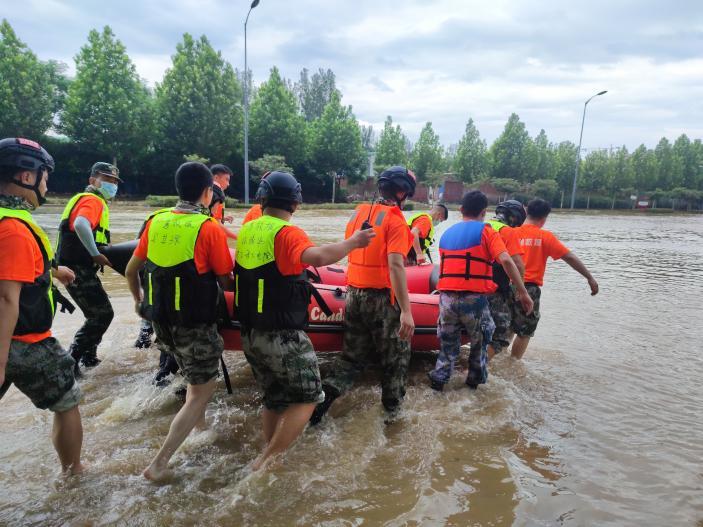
(35, 188)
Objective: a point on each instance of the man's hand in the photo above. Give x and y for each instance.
(101, 260)
(362, 238)
(407, 326)
(421, 260)
(228, 219)
(593, 285)
(64, 275)
(525, 301)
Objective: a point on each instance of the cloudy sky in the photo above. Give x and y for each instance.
(433, 60)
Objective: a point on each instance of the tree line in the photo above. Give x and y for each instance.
(107, 112)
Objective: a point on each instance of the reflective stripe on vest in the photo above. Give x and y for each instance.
(265, 299)
(29, 313)
(465, 263)
(255, 248)
(425, 243)
(101, 233)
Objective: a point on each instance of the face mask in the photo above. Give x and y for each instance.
(108, 190)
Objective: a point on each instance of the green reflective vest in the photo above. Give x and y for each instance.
(425, 243)
(265, 299)
(174, 291)
(37, 304)
(69, 249)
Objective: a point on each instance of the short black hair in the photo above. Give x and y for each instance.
(192, 178)
(444, 208)
(538, 209)
(220, 169)
(473, 203)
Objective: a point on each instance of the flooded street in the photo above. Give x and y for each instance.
(601, 424)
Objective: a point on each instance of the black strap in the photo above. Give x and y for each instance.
(64, 302)
(320, 301)
(225, 374)
(467, 273)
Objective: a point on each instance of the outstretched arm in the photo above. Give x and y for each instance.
(419, 255)
(400, 290)
(333, 252)
(576, 264)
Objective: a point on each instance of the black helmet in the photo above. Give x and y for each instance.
(279, 186)
(399, 177)
(512, 211)
(24, 154)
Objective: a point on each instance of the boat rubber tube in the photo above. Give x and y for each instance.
(325, 331)
(119, 254)
(421, 279)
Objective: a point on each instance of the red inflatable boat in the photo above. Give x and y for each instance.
(422, 279)
(326, 331)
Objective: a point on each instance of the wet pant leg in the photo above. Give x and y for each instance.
(89, 295)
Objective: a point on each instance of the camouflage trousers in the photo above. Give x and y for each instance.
(468, 312)
(88, 294)
(43, 371)
(371, 328)
(501, 306)
(522, 324)
(197, 349)
(285, 367)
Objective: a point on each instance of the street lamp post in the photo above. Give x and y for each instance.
(578, 152)
(246, 109)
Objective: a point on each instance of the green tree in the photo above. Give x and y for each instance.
(644, 169)
(275, 126)
(391, 147)
(269, 163)
(28, 97)
(564, 164)
(471, 160)
(368, 138)
(669, 165)
(198, 106)
(108, 108)
(619, 174)
(689, 163)
(507, 186)
(544, 152)
(314, 93)
(593, 173)
(336, 141)
(427, 156)
(514, 155)
(545, 189)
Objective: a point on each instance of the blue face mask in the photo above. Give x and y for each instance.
(108, 190)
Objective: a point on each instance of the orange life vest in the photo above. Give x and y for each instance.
(368, 267)
(464, 261)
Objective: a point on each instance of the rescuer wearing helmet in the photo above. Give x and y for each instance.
(509, 215)
(271, 303)
(84, 227)
(377, 314)
(30, 358)
(185, 256)
(422, 227)
(467, 251)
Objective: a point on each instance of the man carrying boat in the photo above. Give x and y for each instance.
(271, 303)
(539, 244)
(422, 227)
(377, 314)
(30, 358)
(185, 256)
(509, 214)
(467, 251)
(84, 227)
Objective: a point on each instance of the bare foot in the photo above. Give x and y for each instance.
(156, 474)
(74, 470)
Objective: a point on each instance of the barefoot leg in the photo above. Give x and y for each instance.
(291, 424)
(193, 410)
(67, 436)
(519, 347)
(269, 419)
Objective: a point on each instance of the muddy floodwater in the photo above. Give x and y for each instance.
(601, 424)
